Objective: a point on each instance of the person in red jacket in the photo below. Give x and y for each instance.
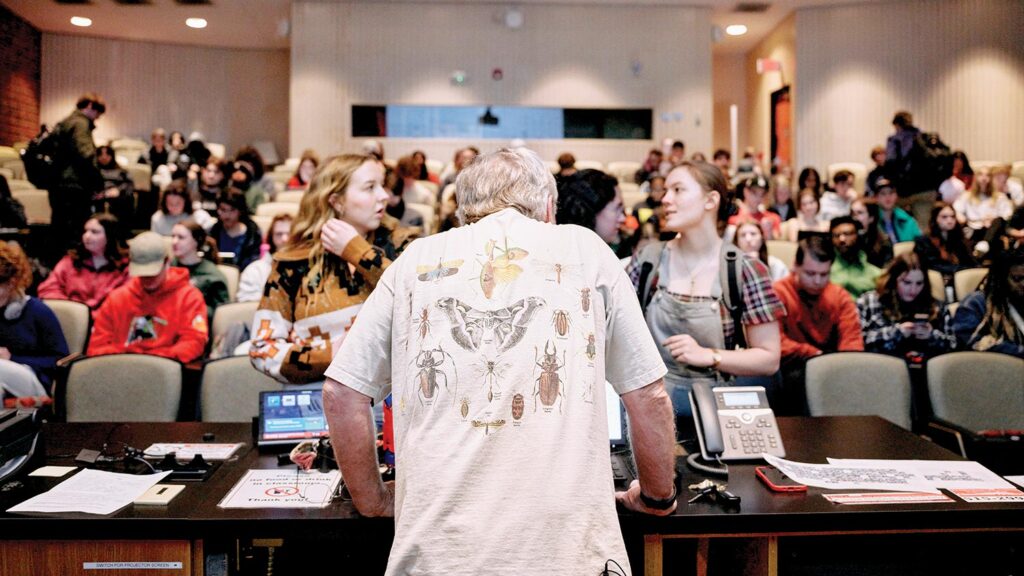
(157, 312)
(821, 317)
(92, 269)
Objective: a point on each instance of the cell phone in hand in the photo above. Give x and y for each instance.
(776, 481)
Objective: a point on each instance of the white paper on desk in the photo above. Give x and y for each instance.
(880, 477)
(1018, 480)
(949, 474)
(287, 488)
(186, 451)
(92, 492)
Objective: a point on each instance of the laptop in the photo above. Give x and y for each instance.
(287, 417)
(623, 471)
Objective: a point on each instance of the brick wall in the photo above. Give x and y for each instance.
(20, 55)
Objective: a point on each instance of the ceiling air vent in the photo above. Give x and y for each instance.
(752, 7)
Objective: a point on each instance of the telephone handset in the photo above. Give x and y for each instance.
(734, 422)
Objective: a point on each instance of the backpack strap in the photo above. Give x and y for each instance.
(650, 260)
(729, 273)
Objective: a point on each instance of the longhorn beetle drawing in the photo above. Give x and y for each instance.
(549, 385)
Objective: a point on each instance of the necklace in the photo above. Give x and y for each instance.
(691, 274)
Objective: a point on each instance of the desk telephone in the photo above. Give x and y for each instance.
(734, 422)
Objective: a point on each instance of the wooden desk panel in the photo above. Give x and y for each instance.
(69, 557)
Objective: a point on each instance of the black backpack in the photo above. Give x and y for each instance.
(42, 159)
(930, 161)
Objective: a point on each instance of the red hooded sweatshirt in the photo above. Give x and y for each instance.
(170, 322)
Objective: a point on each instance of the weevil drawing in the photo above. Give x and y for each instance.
(591, 350)
(548, 387)
(585, 300)
(518, 404)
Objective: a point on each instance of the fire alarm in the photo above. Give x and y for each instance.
(497, 74)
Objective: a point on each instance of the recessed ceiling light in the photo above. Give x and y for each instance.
(81, 21)
(736, 30)
(196, 22)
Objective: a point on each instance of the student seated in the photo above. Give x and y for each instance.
(254, 277)
(31, 340)
(93, 268)
(175, 207)
(895, 222)
(836, 202)
(821, 317)
(194, 251)
(234, 231)
(992, 319)
(900, 317)
(157, 312)
(851, 269)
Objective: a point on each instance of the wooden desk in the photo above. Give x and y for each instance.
(192, 525)
(766, 517)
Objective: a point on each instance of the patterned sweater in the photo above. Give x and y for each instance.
(304, 314)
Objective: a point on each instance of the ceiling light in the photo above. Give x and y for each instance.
(198, 23)
(80, 21)
(736, 30)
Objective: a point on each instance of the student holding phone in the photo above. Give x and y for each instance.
(900, 317)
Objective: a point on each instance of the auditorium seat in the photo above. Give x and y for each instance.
(938, 285)
(274, 208)
(74, 319)
(858, 384)
(860, 173)
(231, 274)
(631, 195)
(967, 281)
(783, 250)
(217, 150)
(901, 248)
(36, 203)
(624, 170)
(427, 212)
(230, 390)
(294, 196)
(123, 388)
(589, 165)
(434, 166)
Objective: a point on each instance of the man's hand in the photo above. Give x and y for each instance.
(630, 499)
(336, 234)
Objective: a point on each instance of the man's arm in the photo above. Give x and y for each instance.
(102, 339)
(354, 440)
(653, 436)
(850, 337)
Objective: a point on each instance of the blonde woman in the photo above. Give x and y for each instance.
(806, 217)
(341, 242)
(982, 204)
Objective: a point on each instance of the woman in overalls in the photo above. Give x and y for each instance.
(685, 303)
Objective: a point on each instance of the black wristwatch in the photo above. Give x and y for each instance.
(655, 504)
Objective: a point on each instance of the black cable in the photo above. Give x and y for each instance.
(692, 462)
(607, 571)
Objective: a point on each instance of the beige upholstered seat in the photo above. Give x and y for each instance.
(274, 208)
(124, 388)
(231, 389)
(74, 318)
(231, 274)
(967, 281)
(857, 384)
(978, 390)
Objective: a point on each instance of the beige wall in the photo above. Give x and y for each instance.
(779, 45)
(232, 96)
(957, 65)
(729, 85)
(390, 53)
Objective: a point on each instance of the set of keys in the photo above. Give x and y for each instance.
(708, 490)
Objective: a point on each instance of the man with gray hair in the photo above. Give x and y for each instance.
(496, 339)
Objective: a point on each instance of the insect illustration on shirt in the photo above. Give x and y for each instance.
(557, 271)
(433, 273)
(499, 269)
(518, 404)
(591, 350)
(502, 328)
(422, 323)
(464, 407)
(585, 299)
(487, 424)
(548, 386)
(561, 321)
(491, 372)
(429, 362)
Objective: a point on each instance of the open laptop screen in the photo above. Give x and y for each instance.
(616, 418)
(289, 416)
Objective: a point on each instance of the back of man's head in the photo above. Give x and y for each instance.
(93, 99)
(902, 119)
(816, 248)
(509, 178)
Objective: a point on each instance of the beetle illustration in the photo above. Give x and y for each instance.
(591, 350)
(549, 385)
(560, 319)
(429, 361)
(585, 299)
(423, 323)
(518, 404)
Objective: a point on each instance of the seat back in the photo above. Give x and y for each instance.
(124, 388)
(900, 248)
(977, 390)
(623, 170)
(293, 196)
(272, 209)
(967, 281)
(140, 175)
(231, 275)
(230, 391)
(857, 384)
(631, 195)
(427, 212)
(783, 250)
(74, 319)
(227, 315)
(938, 285)
(589, 165)
(36, 203)
(859, 170)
